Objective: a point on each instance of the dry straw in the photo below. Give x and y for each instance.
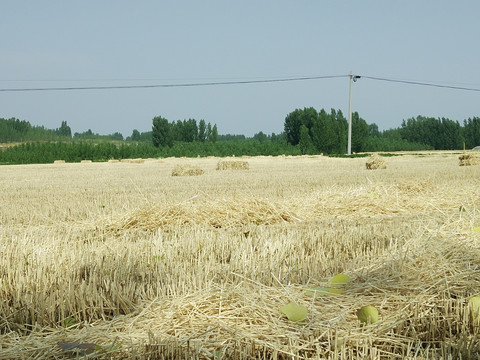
(217, 214)
(85, 161)
(233, 165)
(206, 278)
(134, 161)
(375, 162)
(59, 162)
(469, 159)
(187, 170)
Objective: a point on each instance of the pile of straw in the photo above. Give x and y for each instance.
(187, 170)
(469, 159)
(376, 162)
(113, 161)
(134, 161)
(59, 162)
(233, 165)
(85, 161)
(216, 214)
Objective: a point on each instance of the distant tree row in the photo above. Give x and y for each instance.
(137, 136)
(15, 130)
(442, 134)
(306, 131)
(322, 132)
(90, 135)
(48, 152)
(165, 133)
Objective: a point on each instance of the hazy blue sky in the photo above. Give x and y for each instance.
(103, 43)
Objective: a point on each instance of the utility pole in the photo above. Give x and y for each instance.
(349, 147)
(353, 78)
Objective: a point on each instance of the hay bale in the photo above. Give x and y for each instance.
(187, 170)
(59, 162)
(85, 161)
(469, 159)
(113, 161)
(233, 165)
(375, 162)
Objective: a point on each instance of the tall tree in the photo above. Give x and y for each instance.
(208, 132)
(340, 126)
(323, 132)
(64, 130)
(305, 142)
(292, 125)
(214, 134)
(177, 131)
(190, 130)
(202, 130)
(161, 132)
(359, 133)
(472, 132)
(135, 135)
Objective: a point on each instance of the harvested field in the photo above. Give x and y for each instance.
(129, 262)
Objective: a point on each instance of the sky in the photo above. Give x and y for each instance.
(52, 44)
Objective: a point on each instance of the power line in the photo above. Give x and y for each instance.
(231, 82)
(213, 83)
(411, 82)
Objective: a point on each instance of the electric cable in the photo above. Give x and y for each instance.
(171, 85)
(411, 82)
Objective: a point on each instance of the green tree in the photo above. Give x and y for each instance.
(340, 127)
(161, 132)
(305, 142)
(190, 130)
(292, 125)
(214, 134)
(295, 120)
(135, 135)
(472, 132)
(373, 130)
(64, 130)
(359, 133)
(323, 132)
(202, 130)
(208, 132)
(260, 136)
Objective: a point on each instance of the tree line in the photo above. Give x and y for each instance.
(15, 130)
(321, 132)
(306, 131)
(165, 133)
(48, 152)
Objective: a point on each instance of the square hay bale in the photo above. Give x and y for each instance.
(469, 159)
(375, 162)
(233, 165)
(59, 162)
(187, 170)
(113, 161)
(85, 161)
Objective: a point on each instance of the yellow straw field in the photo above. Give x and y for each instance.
(122, 260)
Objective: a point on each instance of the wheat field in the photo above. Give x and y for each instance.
(125, 261)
